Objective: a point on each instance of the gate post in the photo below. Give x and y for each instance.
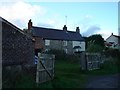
(83, 61)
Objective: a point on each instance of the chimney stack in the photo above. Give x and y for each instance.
(65, 28)
(29, 24)
(77, 29)
(112, 34)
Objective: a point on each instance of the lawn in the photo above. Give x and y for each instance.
(67, 75)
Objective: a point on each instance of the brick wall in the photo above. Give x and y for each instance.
(17, 48)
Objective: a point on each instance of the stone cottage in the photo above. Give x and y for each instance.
(17, 48)
(48, 39)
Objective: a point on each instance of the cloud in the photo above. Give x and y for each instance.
(106, 32)
(91, 30)
(85, 23)
(20, 12)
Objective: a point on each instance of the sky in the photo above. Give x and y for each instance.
(90, 17)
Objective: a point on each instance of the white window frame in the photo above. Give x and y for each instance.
(47, 42)
(64, 43)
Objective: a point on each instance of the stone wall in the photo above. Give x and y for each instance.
(55, 44)
(58, 45)
(68, 47)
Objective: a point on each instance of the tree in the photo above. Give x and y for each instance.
(94, 43)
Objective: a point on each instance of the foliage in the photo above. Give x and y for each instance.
(97, 39)
(112, 52)
(94, 43)
(59, 54)
(94, 48)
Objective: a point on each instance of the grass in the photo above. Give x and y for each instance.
(67, 75)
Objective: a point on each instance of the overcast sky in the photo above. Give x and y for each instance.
(91, 17)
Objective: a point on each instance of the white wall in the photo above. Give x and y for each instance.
(81, 44)
(112, 39)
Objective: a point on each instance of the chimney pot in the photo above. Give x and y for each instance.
(65, 28)
(77, 29)
(29, 24)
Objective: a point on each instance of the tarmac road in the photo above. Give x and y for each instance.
(104, 81)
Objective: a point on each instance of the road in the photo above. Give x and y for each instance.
(104, 81)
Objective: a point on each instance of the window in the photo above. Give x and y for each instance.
(111, 42)
(76, 43)
(77, 49)
(64, 43)
(47, 42)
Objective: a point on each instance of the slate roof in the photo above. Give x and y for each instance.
(10, 24)
(56, 34)
(15, 27)
(117, 36)
(114, 36)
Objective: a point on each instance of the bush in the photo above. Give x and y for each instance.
(59, 54)
(94, 48)
(112, 52)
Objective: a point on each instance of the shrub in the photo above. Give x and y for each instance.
(112, 52)
(59, 54)
(94, 48)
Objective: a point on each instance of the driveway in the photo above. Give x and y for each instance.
(104, 81)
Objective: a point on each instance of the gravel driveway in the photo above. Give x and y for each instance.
(104, 81)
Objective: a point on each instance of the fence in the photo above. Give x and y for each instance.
(45, 67)
(90, 61)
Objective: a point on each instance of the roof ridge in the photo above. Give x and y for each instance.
(116, 36)
(55, 29)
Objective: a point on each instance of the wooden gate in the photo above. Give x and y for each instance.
(45, 67)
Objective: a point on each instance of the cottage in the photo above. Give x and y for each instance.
(113, 41)
(17, 48)
(48, 39)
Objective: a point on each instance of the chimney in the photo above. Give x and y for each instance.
(65, 28)
(77, 29)
(29, 24)
(112, 34)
